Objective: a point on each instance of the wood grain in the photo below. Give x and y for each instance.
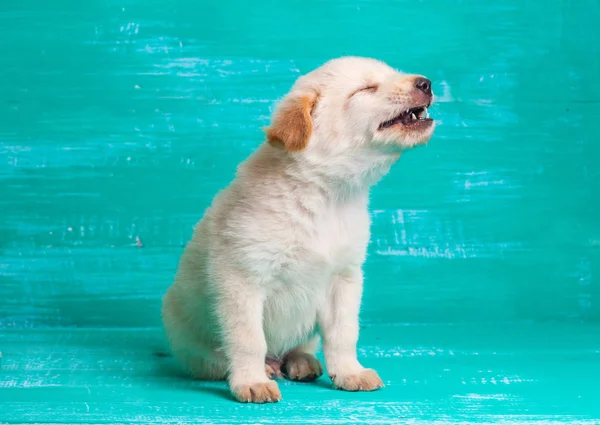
(436, 374)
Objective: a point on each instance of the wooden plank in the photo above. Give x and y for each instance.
(433, 374)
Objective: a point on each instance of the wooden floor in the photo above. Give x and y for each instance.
(433, 374)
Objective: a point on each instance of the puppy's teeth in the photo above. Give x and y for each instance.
(413, 116)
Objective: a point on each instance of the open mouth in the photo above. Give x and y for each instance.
(411, 116)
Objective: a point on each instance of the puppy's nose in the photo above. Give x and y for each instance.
(423, 84)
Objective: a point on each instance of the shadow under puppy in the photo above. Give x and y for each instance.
(275, 264)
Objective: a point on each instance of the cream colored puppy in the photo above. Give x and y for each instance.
(276, 262)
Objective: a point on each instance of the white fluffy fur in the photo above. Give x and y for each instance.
(275, 263)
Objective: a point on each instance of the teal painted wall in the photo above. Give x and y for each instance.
(121, 119)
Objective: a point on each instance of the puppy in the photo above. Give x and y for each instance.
(275, 264)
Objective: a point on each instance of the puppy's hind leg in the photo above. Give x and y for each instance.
(200, 366)
(273, 368)
(193, 350)
(301, 364)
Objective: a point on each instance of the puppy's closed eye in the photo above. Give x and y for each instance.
(371, 88)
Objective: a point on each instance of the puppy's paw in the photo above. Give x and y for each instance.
(365, 380)
(263, 392)
(301, 367)
(273, 369)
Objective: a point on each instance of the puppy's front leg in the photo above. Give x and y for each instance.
(241, 311)
(338, 324)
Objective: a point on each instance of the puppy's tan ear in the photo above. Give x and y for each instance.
(291, 126)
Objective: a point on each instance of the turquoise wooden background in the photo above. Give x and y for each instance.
(119, 121)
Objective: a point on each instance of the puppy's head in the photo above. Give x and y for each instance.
(353, 103)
